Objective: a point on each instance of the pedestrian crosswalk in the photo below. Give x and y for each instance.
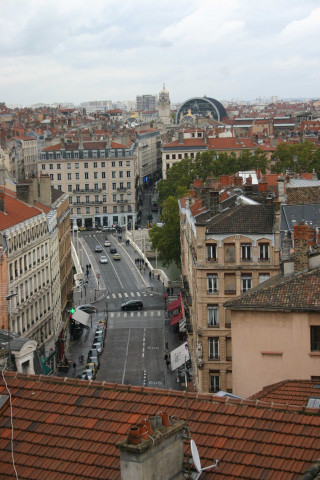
(146, 313)
(129, 295)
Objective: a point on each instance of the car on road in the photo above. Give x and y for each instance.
(113, 250)
(87, 308)
(93, 352)
(82, 229)
(91, 366)
(95, 360)
(98, 346)
(98, 248)
(107, 243)
(88, 374)
(116, 256)
(132, 305)
(103, 259)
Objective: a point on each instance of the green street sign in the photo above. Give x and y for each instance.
(72, 310)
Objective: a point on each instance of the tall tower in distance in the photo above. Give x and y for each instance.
(164, 106)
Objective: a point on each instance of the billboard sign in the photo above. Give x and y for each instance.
(179, 356)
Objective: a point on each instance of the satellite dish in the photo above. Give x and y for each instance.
(196, 458)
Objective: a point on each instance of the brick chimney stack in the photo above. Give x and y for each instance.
(301, 247)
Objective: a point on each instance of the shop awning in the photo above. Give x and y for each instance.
(81, 317)
(174, 305)
(175, 319)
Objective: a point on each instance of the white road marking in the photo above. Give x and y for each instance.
(113, 295)
(120, 295)
(143, 342)
(125, 363)
(126, 295)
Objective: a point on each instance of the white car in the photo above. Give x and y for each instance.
(107, 243)
(103, 259)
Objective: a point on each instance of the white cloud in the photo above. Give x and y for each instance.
(78, 50)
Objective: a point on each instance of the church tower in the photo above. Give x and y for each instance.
(164, 106)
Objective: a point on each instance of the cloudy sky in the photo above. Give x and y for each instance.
(76, 50)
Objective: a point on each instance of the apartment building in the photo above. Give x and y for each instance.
(100, 178)
(146, 103)
(227, 248)
(149, 154)
(30, 239)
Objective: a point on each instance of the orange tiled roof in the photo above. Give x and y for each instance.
(187, 142)
(68, 428)
(16, 212)
(231, 143)
(295, 392)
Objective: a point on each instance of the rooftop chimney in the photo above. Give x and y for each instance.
(180, 137)
(281, 185)
(301, 247)
(45, 190)
(157, 454)
(25, 192)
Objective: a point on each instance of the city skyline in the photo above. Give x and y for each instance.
(54, 52)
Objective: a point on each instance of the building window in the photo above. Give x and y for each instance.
(70, 200)
(59, 187)
(103, 174)
(128, 163)
(78, 199)
(97, 210)
(121, 208)
(212, 283)
(68, 154)
(114, 186)
(59, 166)
(113, 174)
(76, 154)
(86, 175)
(69, 176)
(113, 164)
(86, 165)
(43, 166)
(121, 174)
(229, 253)
(85, 154)
(76, 165)
(114, 208)
(96, 186)
(213, 316)
(103, 164)
(77, 176)
(246, 282)
(114, 198)
(87, 209)
(86, 186)
(167, 156)
(59, 176)
(51, 176)
(77, 187)
(128, 185)
(263, 251)
(230, 284)
(104, 209)
(263, 277)
(128, 174)
(120, 162)
(211, 252)
(245, 252)
(95, 175)
(173, 156)
(69, 188)
(96, 198)
(78, 211)
(104, 186)
(58, 155)
(104, 198)
(51, 166)
(95, 164)
(214, 381)
(214, 350)
(87, 199)
(69, 166)
(315, 338)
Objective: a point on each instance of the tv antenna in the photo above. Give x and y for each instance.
(197, 461)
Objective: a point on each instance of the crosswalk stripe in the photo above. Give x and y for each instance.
(132, 294)
(120, 295)
(138, 294)
(113, 295)
(126, 295)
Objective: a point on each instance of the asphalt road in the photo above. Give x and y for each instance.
(134, 345)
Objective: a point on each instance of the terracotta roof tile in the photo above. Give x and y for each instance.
(252, 442)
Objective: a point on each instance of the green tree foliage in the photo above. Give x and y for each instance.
(300, 157)
(166, 239)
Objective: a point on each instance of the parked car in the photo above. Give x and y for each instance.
(88, 374)
(91, 366)
(98, 248)
(87, 308)
(93, 352)
(116, 256)
(107, 243)
(82, 229)
(103, 259)
(98, 346)
(132, 305)
(95, 360)
(113, 250)
(99, 339)
(105, 228)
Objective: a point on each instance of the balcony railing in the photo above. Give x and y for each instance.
(91, 190)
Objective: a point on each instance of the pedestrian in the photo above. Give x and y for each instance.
(150, 275)
(168, 291)
(171, 290)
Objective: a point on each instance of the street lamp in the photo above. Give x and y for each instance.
(8, 298)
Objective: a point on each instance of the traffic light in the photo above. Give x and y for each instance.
(165, 298)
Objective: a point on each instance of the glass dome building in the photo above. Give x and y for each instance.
(202, 107)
